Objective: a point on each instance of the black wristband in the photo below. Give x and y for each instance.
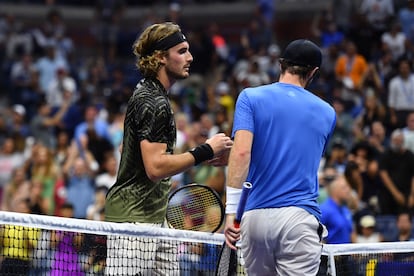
(202, 153)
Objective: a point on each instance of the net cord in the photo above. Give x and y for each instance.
(106, 228)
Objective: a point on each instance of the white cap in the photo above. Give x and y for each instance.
(19, 109)
(222, 88)
(367, 221)
(273, 50)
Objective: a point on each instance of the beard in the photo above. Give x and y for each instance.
(175, 75)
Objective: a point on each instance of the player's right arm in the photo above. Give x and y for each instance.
(159, 164)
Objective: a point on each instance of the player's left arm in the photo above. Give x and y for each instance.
(239, 162)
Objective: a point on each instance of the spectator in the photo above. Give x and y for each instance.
(343, 12)
(344, 124)
(17, 39)
(371, 82)
(95, 210)
(208, 124)
(326, 30)
(106, 27)
(366, 173)
(92, 121)
(24, 81)
(98, 146)
(36, 202)
(408, 132)
(118, 93)
(79, 179)
(406, 19)
(385, 68)
(42, 168)
(271, 64)
(256, 35)
(116, 129)
(62, 147)
(401, 94)
(10, 159)
(52, 27)
(373, 111)
(349, 69)
(336, 215)
(337, 157)
(222, 49)
(183, 129)
(66, 244)
(17, 244)
(17, 189)
(378, 15)
(61, 84)
(59, 195)
(396, 172)
(367, 232)
(47, 66)
(94, 77)
(253, 76)
(224, 98)
(18, 126)
(326, 176)
(404, 226)
(353, 177)
(4, 130)
(378, 138)
(45, 124)
(395, 41)
(107, 177)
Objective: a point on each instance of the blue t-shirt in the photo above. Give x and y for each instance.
(338, 220)
(291, 128)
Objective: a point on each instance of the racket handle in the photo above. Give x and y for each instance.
(236, 224)
(242, 203)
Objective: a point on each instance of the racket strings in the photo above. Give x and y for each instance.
(195, 208)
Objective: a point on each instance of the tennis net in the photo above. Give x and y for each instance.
(46, 245)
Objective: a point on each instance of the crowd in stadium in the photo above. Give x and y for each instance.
(61, 124)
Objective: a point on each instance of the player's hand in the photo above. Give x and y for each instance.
(220, 143)
(231, 233)
(220, 160)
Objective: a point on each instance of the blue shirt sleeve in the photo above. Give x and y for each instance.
(243, 116)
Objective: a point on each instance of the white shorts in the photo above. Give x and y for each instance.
(141, 256)
(281, 241)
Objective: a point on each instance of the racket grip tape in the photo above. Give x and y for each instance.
(242, 203)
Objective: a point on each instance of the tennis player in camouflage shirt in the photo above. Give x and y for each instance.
(141, 190)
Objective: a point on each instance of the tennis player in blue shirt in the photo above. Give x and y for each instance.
(280, 133)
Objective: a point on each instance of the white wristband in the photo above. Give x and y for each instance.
(233, 197)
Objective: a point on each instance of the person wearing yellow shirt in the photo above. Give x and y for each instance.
(17, 244)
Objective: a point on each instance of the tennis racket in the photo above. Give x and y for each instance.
(227, 264)
(195, 207)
